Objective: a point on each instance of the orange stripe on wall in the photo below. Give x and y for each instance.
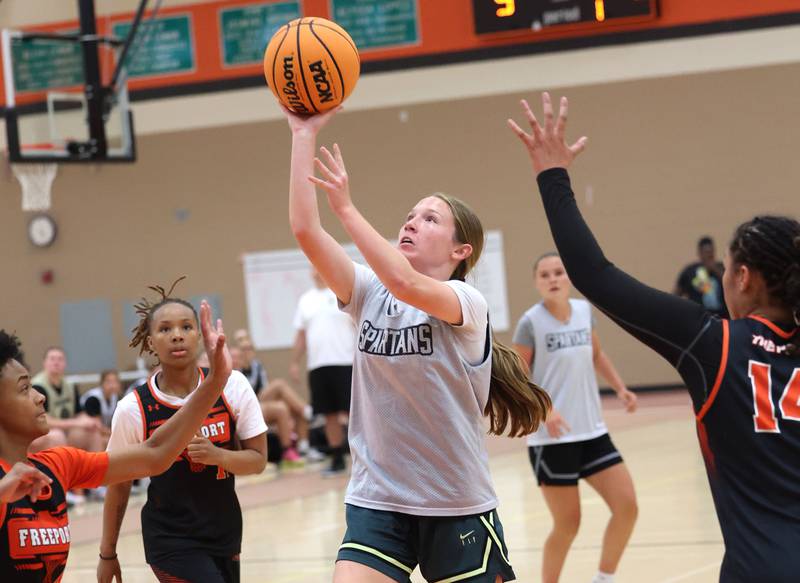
(446, 26)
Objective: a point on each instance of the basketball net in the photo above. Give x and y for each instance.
(36, 181)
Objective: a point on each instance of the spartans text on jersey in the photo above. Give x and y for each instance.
(395, 342)
(558, 340)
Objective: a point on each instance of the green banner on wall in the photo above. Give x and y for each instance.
(377, 24)
(246, 30)
(46, 64)
(161, 47)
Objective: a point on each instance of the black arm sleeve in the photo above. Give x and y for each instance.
(678, 329)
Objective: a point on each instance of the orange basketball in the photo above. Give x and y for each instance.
(311, 65)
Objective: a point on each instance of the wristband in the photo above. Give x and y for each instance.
(111, 558)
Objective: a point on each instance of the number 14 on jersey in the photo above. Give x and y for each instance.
(764, 416)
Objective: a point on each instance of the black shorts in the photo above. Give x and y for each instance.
(563, 464)
(330, 389)
(467, 549)
(196, 567)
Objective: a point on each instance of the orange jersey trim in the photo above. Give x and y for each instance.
(774, 328)
(723, 363)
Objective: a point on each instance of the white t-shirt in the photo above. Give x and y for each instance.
(126, 427)
(420, 386)
(330, 333)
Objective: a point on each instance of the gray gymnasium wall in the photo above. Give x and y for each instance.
(668, 160)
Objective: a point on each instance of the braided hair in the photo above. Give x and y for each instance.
(10, 349)
(145, 310)
(771, 245)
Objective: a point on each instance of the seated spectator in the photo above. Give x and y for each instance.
(251, 366)
(68, 424)
(100, 402)
(283, 409)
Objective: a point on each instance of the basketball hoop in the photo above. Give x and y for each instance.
(36, 178)
(36, 181)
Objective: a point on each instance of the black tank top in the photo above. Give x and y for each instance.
(190, 506)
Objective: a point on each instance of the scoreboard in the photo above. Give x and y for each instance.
(493, 16)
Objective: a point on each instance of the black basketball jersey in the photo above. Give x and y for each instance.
(749, 431)
(191, 506)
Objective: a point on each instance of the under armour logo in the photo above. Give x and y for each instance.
(151, 407)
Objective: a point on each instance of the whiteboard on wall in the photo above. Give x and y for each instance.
(275, 280)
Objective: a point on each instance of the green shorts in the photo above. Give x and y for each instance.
(448, 549)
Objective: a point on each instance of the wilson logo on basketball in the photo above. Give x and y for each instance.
(293, 98)
(321, 82)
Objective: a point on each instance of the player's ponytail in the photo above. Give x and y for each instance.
(514, 402)
(771, 246)
(513, 399)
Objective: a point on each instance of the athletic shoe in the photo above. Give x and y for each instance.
(337, 468)
(315, 455)
(291, 458)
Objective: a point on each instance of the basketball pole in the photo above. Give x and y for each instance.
(93, 90)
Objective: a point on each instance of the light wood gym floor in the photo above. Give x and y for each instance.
(294, 522)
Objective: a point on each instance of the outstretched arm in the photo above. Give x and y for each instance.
(670, 325)
(324, 252)
(390, 266)
(157, 454)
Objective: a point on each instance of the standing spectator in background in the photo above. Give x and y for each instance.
(69, 426)
(701, 281)
(326, 336)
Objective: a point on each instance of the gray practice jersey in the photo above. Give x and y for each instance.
(563, 365)
(416, 418)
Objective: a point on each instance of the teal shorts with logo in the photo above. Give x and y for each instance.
(448, 549)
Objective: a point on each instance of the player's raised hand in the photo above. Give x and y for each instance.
(308, 123)
(547, 145)
(23, 480)
(214, 341)
(334, 179)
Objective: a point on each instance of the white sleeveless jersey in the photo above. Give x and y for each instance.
(416, 418)
(563, 365)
